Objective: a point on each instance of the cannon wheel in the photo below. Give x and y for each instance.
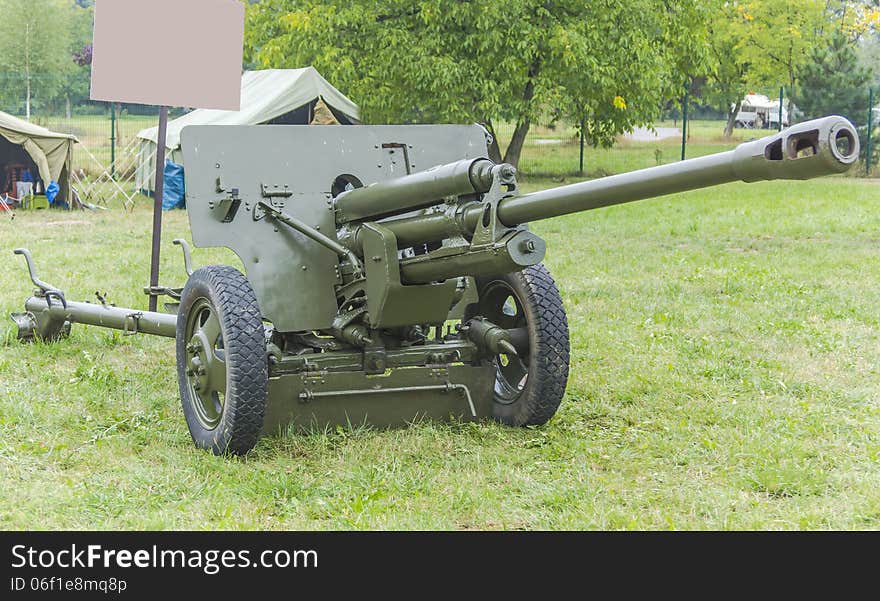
(528, 388)
(222, 369)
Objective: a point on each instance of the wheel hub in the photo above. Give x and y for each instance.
(501, 305)
(198, 361)
(205, 363)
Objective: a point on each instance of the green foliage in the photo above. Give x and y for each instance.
(76, 77)
(775, 36)
(869, 57)
(519, 61)
(764, 44)
(833, 81)
(629, 59)
(37, 39)
(728, 73)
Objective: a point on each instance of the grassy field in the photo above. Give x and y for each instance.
(548, 151)
(725, 374)
(554, 152)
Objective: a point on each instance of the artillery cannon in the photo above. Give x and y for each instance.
(390, 274)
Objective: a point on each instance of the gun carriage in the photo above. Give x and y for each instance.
(390, 274)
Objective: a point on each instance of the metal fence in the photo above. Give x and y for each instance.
(106, 156)
(557, 150)
(105, 135)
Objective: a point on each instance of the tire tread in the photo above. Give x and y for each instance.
(246, 363)
(548, 330)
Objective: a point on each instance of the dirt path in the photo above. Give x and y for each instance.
(643, 134)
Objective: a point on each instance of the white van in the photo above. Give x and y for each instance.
(758, 111)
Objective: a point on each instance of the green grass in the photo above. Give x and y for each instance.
(724, 374)
(559, 158)
(555, 151)
(555, 159)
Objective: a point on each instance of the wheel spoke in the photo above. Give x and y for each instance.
(501, 305)
(507, 322)
(504, 309)
(211, 328)
(520, 339)
(514, 371)
(217, 371)
(210, 406)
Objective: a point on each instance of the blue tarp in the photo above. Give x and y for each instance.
(51, 192)
(174, 195)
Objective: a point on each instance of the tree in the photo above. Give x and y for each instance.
(833, 82)
(869, 57)
(777, 35)
(628, 63)
(75, 74)
(765, 43)
(34, 43)
(869, 45)
(482, 60)
(729, 72)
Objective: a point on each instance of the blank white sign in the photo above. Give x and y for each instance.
(168, 52)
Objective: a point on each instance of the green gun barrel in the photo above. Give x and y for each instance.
(415, 191)
(810, 149)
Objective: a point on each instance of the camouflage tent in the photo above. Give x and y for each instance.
(46, 154)
(268, 97)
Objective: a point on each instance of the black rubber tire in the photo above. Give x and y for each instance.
(549, 352)
(247, 374)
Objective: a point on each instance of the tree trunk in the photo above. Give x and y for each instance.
(731, 119)
(27, 69)
(67, 108)
(514, 149)
(581, 136)
(494, 148)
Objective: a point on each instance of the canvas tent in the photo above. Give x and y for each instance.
(45, 154)
(268, 97)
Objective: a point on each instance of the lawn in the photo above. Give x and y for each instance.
(555, 151)
(547, 151)
(725, 374)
